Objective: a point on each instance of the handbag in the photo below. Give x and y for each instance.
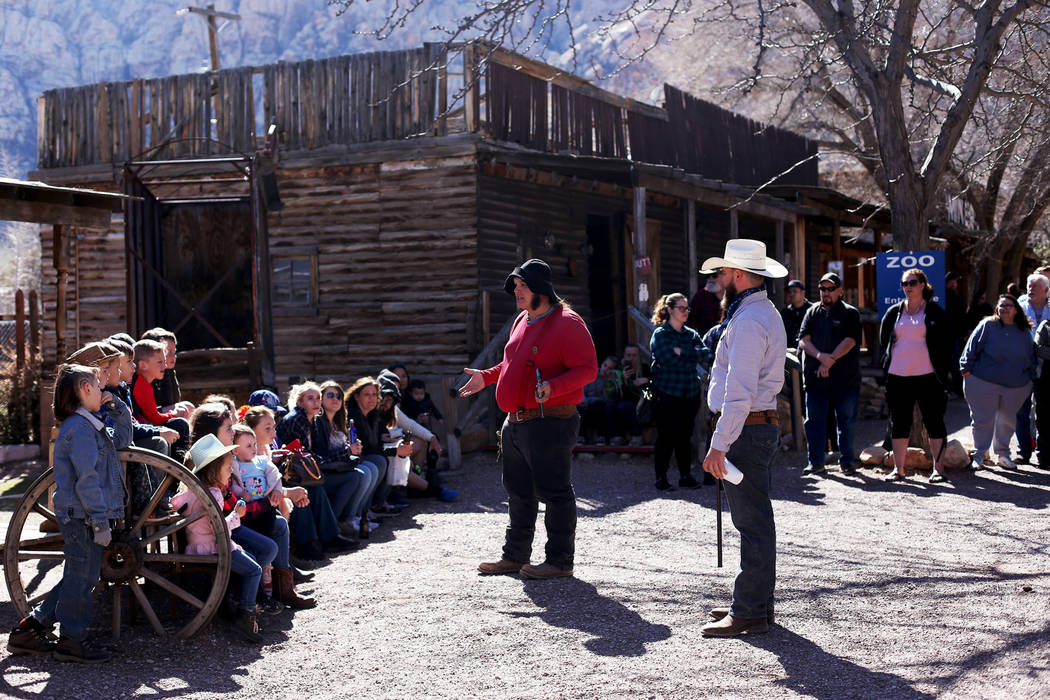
(298, 468)
(643, 410)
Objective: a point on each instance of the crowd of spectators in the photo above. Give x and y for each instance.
(369, 458)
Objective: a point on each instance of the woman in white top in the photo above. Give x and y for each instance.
(916, 337)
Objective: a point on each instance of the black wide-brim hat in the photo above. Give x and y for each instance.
(536, 274)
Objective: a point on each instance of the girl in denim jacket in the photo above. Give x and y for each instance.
(89, 492)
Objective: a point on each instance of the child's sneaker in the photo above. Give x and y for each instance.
(69, 649)
(247, 626)
(31, 637)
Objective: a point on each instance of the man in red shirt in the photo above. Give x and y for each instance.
(548, 359)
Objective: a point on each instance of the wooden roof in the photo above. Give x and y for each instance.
(40, 203)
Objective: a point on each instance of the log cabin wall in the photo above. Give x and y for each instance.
(96, 299)
(525, 213)
(393, 247)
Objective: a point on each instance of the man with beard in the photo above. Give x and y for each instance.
(747, 375)
(830, 338)
(548, 359)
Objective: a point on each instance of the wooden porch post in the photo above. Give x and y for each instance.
(798, 248)
(778, 253)
(60, 258)
(836, 240)
(639, 248)
(694, 260)
(734, 224)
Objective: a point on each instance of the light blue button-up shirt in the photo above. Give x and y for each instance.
(748, 371)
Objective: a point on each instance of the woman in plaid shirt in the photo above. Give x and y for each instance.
(675, 348)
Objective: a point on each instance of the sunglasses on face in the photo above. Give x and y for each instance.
(681, 307)
(910, 283)
(825, 290)
(332, 395)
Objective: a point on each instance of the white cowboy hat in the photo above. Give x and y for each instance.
(206, 450)
(746, 254)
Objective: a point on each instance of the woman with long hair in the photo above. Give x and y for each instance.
(332, 422)
(998, 368)
(675, 348)
(316, 529)
(916, 335)
(362, 405)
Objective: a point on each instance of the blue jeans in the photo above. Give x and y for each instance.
(70, 603)
(381, 489)
(242, 564)
(262, 548)
(819, 400)
(1024, 429)
(752, 514)
(369, 479)
(537, 466)
(342, 489)
(316, 521)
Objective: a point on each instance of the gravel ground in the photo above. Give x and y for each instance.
(884, 591)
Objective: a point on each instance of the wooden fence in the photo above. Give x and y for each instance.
(342, 100)
(397, 94)
(20, 372)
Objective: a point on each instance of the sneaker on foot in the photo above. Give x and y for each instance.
(663, 484)
(813, 469)
(80, 651)
(635, 441)
(31, 637)
(1006, 463)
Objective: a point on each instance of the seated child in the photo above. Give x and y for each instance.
(260, 478)
(419, 406)
(142, 478)
(89, 493)
(149, 366)
(213, 465)
(166, 389)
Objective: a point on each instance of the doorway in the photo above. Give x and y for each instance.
(607, 284)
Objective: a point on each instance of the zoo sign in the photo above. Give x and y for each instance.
(890, 267)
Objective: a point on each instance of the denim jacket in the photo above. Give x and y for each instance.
(89, 477)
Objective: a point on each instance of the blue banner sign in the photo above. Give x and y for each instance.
(890, 267)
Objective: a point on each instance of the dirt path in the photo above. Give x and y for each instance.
(884, 591)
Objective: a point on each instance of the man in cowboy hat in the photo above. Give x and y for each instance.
(747, 375)
(548, 359)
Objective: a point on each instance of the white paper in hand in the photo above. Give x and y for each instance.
(733, 475)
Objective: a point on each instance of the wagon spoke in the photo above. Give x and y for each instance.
(173, 528)
(175, 557)
(164, 485)
(44, 511)
(42, 542)
(140, 596)
(37, 599)
(117, 590)
(56, 555)
(172, 588)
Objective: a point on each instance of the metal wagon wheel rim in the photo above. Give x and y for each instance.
(128, 562)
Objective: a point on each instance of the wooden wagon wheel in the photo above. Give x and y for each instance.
(143, 551)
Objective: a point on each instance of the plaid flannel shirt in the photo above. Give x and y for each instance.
(675, 373)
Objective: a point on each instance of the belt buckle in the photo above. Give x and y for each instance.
(517, 415)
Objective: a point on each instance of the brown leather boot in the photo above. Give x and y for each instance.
(284, 590)
(718, 613)
(503, 566)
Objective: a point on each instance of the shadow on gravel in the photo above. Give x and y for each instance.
(813, 672)
(570, 603)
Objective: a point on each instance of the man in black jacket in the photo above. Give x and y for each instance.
(830, 337)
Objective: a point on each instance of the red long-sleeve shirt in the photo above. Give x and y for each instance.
(146, 404)
(560, 346)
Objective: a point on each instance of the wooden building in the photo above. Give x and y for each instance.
(330, 217)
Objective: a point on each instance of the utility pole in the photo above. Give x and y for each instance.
(210, 14)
